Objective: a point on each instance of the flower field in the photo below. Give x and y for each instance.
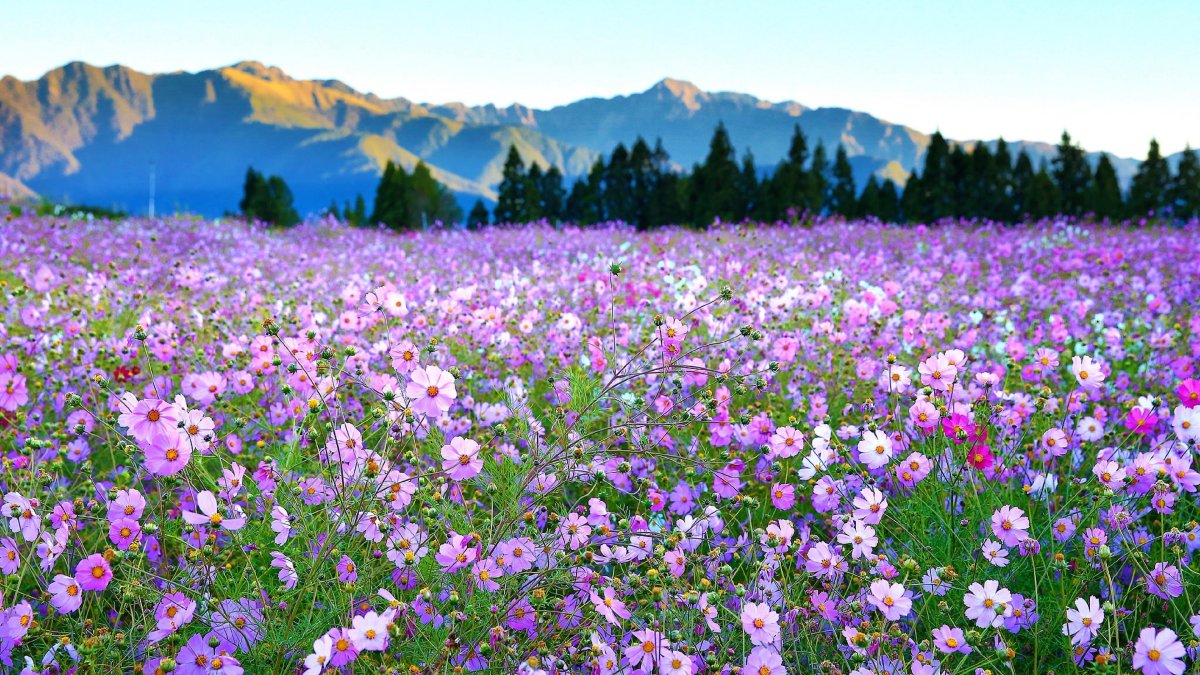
(840, 449)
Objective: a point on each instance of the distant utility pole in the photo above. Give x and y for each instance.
(152, 189)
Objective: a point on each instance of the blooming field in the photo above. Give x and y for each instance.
(844, 449)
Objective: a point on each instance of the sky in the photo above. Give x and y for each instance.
(1114, 74)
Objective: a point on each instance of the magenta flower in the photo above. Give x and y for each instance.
(783, 496)
(485, 572)
(1083, 622)
(431, 391)
(460, 459)
(93, 573)
(760, 622)
(764, 661)
(128, 504)
(456, 553)
(65, 594)
(167, 454)
(10, 560)
(150, 418)
(890, 599)
(1189, 393)
(347, 572)
(14, 392)
(124, 532)
(1010, 525)
(369, 632)
(344, 650)
(210, 514)
(1158, 652)
(950, 640)
(609, 606)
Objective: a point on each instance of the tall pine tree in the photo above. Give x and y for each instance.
(1148, 193)
(845, 194)
(1185, 187)
(510, 202)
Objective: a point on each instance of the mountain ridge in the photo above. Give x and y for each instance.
(90, 134)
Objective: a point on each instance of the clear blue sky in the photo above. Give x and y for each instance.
(1113, 73)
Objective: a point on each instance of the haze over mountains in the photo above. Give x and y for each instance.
(89, 135)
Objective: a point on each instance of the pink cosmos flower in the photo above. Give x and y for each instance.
(764, 661)
(14, 392)
(1087, 372)
(431, 391)
(786, 442)
(123, 532)
(1083, 622)
(609, 606)
(460, 459)
(646, 649)
(128, 504)
(93, 573)
(950, 640)
(456, 553)
(150, 418)
(1158, 652)
(9, 558)
(315, 662)
(783, 496)
(1010, 525)
(760, 623)
(369, 632)
(890, 599)
(870, 505)
(988, 604)
(210, 514)
(405, 357)
(65, 594)
(937, 372)
(575, 531)
(167, 454)
(825, 561)
(347, 571)
(485, 572)
(1189, 393)
(875, 449)
(860, 537)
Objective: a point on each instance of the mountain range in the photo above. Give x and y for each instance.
(90, 135)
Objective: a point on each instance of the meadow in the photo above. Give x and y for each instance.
(840, 448)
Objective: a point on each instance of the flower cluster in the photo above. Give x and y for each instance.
(850, 449)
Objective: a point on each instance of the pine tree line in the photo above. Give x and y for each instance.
(403, 201)
(267, 199)
(638, 186)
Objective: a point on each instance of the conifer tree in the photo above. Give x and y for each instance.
(889, 202)
(1148, 193)
(1185, 186)
(817, 184)
(715, 192)
(868, 201)
(532, 194)
(478, 217)
(510, 203)
(1073, 177)
(844, 193)
(1105, 200)
(553, 197)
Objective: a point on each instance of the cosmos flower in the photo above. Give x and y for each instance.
(1158, 652)
(431, 391)
(210, 514)
(93, 573)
